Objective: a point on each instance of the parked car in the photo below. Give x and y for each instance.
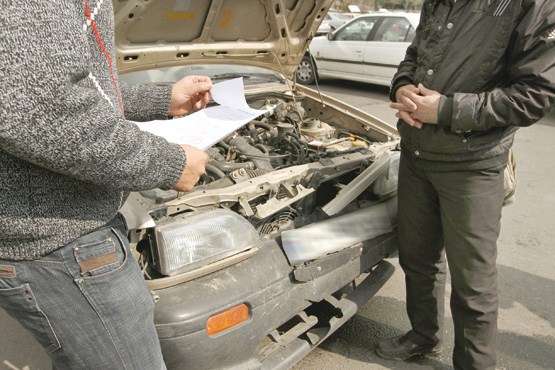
(334, 20)
(285, 237)
(367, 49)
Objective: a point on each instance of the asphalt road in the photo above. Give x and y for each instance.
(526, 265)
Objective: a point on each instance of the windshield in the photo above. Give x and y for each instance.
(220, 72)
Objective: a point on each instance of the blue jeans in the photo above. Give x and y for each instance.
(86, 303)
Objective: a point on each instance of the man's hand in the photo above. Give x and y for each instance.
(194, 168)
(417, 108)
(404, 104)
(190, 93)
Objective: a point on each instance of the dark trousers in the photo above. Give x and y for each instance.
(453, 214)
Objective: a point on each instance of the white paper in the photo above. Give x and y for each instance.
(206, 127)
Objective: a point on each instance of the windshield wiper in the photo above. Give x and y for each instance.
(225, 76)
(266, 76)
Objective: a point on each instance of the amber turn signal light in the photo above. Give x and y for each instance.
(227, 319)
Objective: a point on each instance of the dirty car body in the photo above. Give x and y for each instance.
(285, 237)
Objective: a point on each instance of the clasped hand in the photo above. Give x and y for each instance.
(416, 105)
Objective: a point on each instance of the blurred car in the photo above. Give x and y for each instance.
(284, 238)
(367, 49)
(334, 20)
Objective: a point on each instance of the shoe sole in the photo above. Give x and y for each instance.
(432, 353)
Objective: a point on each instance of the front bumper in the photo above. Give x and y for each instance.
(292, 310)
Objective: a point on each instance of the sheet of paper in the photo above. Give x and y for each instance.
(206, 127)
(230, 93)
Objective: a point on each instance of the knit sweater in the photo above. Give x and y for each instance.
(68, 156)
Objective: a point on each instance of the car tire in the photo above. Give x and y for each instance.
(306, 71)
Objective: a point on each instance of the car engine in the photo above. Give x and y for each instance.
(282, 170)
(282, 140)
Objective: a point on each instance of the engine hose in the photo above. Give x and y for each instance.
(294, 140)
(262, 148)
(214, 171)
(292, 146)
(215, 154)
(228, 167)
(258, 158)
(266, 126)
(253, 135)
(223, 144)
(269, 131)
(294, 135)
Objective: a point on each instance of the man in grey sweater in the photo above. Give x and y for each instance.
(68, 158)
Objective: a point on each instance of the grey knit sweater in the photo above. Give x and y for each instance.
(68, 155)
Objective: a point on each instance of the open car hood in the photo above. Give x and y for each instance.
(271, 34)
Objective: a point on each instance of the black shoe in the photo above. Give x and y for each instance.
(401, 348)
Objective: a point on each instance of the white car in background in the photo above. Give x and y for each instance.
(367, 49)
(334, 20)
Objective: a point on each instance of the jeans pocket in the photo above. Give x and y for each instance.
(100, 256)
(20, 304)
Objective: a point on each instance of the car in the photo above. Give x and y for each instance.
(287, 234)
(334, 20)
(367, 49)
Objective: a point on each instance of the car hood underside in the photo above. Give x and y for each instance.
(263, 33)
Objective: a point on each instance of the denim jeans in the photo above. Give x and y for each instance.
(86, 303)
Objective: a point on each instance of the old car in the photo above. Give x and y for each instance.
(286, 236)
(368, 49)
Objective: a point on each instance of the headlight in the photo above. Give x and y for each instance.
(188, 241)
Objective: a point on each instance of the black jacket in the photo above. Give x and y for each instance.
(494, 63)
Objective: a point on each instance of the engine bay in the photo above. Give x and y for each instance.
(281, 170)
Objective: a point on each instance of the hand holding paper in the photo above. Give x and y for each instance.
(206, 127)
(190, 93)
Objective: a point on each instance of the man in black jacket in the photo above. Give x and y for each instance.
(476, 72)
